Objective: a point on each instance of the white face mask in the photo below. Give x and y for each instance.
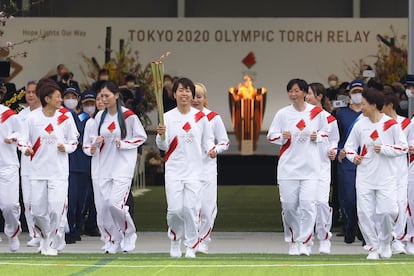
(89, 109)
(70, 103)
(356, 98)
(332, 83)
(408, 92)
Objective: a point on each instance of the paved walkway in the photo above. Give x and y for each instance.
(223, 242)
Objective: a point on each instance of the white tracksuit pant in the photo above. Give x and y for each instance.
(48, 201)
(323, 211)
(26, 190)
(208, 210)
(376, 208)
(115, 194)
(410, 217)
(9, 200)
(298, 209)
(183, 199)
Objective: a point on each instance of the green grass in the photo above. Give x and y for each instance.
(214, 264)
(240, 209)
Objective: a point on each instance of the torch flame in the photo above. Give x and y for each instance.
(246, 89)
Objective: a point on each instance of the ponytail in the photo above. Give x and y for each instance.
(121, 119)
(102, 120)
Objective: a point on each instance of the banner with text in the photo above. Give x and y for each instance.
(215, 51)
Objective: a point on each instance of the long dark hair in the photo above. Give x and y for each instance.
(111, 86)
(319, 89)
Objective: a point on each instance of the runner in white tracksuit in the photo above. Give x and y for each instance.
(317, 96)
(33, 104)
(91, 149)
(410, 191)
(300, 129)
(49, 136)
(118, 133)
(188, 137)
(208, 211)
(390, 106)
(9, 175)
(373, 145)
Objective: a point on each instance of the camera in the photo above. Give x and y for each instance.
(368, 74)
(339, 103)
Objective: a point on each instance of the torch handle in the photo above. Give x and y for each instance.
(158, 81)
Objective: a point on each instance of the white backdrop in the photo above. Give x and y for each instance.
(209, 50)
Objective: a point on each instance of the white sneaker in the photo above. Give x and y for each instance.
(34, 242)
(1, 239)
(410, 248)
(106, 246)
(304, 249)
(128, 243)
(175, 250)
(373, 255)
(113, 248)
(293, 249)
(325, 247)
(14, 244)
(202, 248)
(398, 247)
(190, 253)
(59, 243)
(49, 251)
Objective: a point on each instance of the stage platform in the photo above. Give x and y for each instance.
(237, 169)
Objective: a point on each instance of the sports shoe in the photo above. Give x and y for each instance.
(175, 250)
(373, 255)
(113, 248)
(202, 248)
(325, 247)
(304, 249)
(59, 243)
(128, 243)
(34, 242)
(410, 248)
(349, 237)
(293, 249)
(106, 246)
(1, 239)
(14, 244)
(190, 253)
(398, 247)
(385, 250)
(49, 251)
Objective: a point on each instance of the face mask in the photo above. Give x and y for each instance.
(130, 84)
(404, 104)
(408, 92)
(356, 98)
(89, 109)
(168, 84)
(332, 83)
(70, 103)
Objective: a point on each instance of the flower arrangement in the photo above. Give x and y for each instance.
(392, 57)
(126, 62)
(390, 61)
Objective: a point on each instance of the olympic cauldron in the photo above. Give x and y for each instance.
(247, 107)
